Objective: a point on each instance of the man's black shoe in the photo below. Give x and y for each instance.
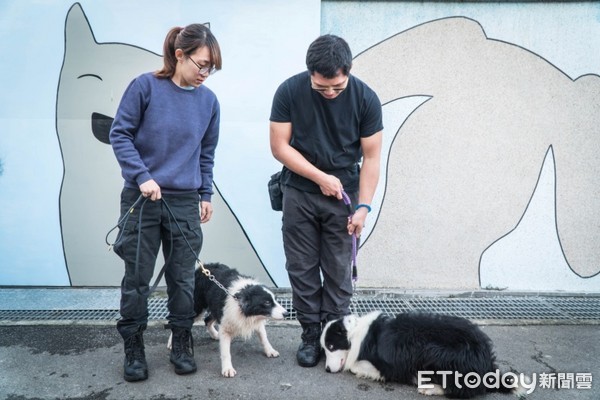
(309, 352)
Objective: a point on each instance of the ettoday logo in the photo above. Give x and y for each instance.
(491, 380)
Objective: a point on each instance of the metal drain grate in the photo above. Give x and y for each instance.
(59, 315)
(387, 306)
(583, 309)
(157, 308)
(507, 309)
(496, 308)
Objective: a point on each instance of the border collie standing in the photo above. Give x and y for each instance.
(244, 312)
(402, 348)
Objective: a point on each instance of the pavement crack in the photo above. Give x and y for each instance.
(539, 357)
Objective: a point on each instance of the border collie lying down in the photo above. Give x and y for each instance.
(434, 352)
(244, 312)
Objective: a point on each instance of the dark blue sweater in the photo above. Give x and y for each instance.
(167, 133)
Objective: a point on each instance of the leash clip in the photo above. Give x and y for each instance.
(212, 278)
(204, 270)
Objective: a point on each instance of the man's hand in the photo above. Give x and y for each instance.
(331, 186)
(357, 223)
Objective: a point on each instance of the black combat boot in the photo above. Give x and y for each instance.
(309, 352)
(182, 350)
(135, 366)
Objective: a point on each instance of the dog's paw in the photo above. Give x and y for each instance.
(365, 370)
(271, 353)
(213, 333)
(228, 372)
(436, 390)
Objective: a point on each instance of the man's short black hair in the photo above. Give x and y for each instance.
(327, 55)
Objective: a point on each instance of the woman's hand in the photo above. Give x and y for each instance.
(206, 211)
(151, 190)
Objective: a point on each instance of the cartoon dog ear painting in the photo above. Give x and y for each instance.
(92, 81)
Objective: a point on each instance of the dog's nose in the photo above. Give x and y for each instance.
(286, 313)
(327, 369)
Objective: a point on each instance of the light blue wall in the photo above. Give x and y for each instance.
(261, 46)
(263, 43)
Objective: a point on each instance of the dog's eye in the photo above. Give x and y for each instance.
(267, 303)
(330, 347)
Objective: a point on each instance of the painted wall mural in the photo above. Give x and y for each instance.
(490, 176)
(91, 171)
(60, 194)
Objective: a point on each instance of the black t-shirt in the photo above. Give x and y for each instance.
(327, 132)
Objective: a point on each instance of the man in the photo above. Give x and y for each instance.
(323, 121)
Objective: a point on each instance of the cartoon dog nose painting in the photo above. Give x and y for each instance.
(440, 354)
(92, 80)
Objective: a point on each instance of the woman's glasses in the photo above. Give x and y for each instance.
(208, 70)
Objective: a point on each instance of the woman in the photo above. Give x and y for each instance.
(164, 137)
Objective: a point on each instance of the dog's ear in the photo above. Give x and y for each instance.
(339, 329)
(242, 301)
(339, 335)
(350, 322)
(238, 297)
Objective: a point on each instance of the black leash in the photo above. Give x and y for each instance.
(123, 222)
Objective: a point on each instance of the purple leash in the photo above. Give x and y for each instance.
(348, 204)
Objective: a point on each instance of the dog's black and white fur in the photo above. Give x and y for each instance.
(238, 315)
(395, 349)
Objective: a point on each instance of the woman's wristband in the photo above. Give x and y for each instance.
(368, 207)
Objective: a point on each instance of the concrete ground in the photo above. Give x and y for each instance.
(83, 360)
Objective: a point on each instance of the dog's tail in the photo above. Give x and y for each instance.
(510, 382)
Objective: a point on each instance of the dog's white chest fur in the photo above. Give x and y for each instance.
(357, 331)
